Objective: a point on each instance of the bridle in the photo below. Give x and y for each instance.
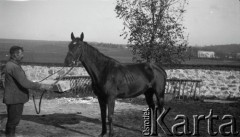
(77, 60)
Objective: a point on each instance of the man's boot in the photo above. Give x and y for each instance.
(10, 132)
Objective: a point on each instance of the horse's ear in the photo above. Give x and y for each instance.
(72, 36)
(82, 36)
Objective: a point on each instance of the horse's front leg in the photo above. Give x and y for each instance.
(111, 105)
(103, 106)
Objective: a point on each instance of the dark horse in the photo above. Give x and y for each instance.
(112, 79)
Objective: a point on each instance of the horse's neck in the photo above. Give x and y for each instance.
(95, 62)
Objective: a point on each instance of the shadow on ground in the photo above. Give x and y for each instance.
(60, 120)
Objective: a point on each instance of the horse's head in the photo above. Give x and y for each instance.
(74, 50)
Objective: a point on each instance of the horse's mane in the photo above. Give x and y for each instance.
(103, 60)
(95, 53)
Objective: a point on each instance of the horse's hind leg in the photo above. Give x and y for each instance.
(111, 105)
(160, 89)
(149, 99)
(103, 106)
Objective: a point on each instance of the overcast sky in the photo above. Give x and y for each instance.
(208, 22)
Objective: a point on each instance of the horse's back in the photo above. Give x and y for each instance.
(149, 72)
(155, 73)
(146, 67)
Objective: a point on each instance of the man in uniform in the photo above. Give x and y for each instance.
(16, 91)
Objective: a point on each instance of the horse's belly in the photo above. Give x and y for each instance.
(130, 91)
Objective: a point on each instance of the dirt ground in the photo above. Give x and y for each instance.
(80, 117)
(68, 117)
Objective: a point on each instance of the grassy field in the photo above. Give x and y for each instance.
(199, 61)
(55, 52)
(37, 51)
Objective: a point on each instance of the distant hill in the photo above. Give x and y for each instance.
(49, 46)
(55, 51)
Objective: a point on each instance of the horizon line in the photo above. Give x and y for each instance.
(190, 45)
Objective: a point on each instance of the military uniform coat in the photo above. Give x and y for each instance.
(16, 84)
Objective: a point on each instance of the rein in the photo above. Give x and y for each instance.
(40, 102)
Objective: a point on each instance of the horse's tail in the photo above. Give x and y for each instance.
(160, 69)
(161, 81)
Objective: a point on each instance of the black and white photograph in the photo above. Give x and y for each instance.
(119, 68)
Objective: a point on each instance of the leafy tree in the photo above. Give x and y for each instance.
(154, 29)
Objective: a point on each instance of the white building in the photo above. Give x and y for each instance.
(206, 54)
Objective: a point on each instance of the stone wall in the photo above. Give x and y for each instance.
(215, 83)
(38, 73)
(219, 83)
